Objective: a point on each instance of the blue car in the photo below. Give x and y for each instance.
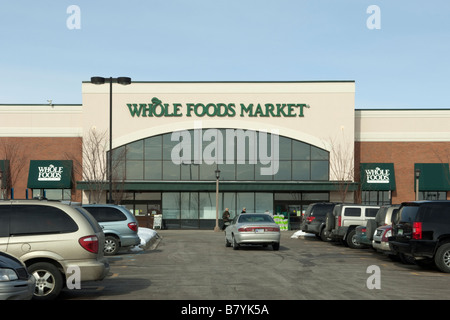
(119, 226)
(15, 281)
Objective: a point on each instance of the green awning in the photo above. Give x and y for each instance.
(225, 186)
(50, 174)
(433, 176)
(377, 176)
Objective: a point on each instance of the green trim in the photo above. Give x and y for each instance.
(224, 186)
(433, 176)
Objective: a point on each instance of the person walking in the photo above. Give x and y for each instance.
(225, 218)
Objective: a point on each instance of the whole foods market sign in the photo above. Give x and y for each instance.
(50, 174)
(159, 109)
(377, 176)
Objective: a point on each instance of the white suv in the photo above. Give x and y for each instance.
(52, 239)
(342, 222)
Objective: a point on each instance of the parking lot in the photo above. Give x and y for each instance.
(196, 265)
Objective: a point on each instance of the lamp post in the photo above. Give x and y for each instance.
(98, 81)
(216, 228)
(417, 174)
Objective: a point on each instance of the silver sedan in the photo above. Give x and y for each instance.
(253, 229)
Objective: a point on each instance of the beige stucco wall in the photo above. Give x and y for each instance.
(402, 125)
(41, 120)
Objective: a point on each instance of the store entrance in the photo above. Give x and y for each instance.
(291, 210)
(144, 211)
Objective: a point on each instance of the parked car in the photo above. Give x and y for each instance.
(381, 228)
(15, 281)
(365, 234)
(342, 222)
(253, 229)
(51, 239)
(421, 229)
(119, 226)
(380, 239)
(361, 236)
(315, 217)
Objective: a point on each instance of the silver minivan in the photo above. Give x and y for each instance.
(55, 241)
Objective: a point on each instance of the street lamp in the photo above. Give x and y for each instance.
(216, 228)
(98, 81)
(417, 173)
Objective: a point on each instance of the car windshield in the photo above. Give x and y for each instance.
(255, 218)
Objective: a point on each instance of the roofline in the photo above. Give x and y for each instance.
(312, 81)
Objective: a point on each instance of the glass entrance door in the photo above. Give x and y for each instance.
(291, 211)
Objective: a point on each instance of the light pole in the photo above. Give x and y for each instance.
(216, 228)
(123, 81)
(417, 173)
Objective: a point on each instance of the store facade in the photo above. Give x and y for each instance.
(271, 142)
(277, 146)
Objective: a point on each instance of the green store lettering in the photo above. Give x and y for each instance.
(158, 109)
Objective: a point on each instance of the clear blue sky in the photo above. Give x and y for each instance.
(405, 64)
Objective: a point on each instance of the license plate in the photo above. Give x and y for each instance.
(259, 230)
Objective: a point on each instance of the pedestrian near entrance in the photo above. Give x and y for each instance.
(244, 210)
(225, 218)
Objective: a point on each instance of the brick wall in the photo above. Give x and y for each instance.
(404, 155)
(42, 148)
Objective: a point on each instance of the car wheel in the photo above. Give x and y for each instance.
(323, 236)
(235, 244)
(111, 246)
(351, 240)
(275, 246)
(49, 280)
(227, 243)
(442, 257)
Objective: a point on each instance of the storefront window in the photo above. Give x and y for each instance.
(153, 148)
(433, 195)
(376, 197)
(237, 152)
(207, 205)
(53, 194)
(135, 150)
(171, 205)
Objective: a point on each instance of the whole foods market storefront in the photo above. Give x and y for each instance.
(273, 145)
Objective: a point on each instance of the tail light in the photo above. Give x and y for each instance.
(252, 229)
(386, 235)
(310, 219)
(417, 230)
(363, 229)
(133, 226)
(89, 243)
(339, 221)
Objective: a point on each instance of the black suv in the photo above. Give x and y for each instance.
(421, 229)
(315, 217)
